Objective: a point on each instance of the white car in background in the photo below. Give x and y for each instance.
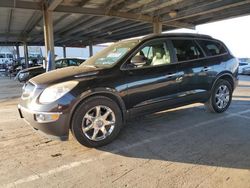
(244, 66)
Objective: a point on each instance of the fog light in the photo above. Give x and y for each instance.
(44, 118)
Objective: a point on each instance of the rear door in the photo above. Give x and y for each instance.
(194, 69)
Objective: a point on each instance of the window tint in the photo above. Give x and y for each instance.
(212, 48)
(61, 63)
(65, 63)
(72, 62)
(155, 53)
(186, 50)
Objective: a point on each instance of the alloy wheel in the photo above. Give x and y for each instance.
(98, 123)
(222, 96)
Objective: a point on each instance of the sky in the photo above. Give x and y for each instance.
(235, 33)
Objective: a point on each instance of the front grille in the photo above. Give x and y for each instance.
(28, 90)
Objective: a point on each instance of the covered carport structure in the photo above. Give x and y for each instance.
(78, 23)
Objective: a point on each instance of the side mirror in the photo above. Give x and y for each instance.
(138, 60)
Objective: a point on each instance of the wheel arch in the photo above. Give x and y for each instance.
(225, 76)
(111, 94)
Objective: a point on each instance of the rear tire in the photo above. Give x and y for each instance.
(96, 122)
(220, 98)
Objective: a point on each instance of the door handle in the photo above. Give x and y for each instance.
(205, 69)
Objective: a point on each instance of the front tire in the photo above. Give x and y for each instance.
(220, 98)
(96, 122)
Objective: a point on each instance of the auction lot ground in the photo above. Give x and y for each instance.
(183, 147)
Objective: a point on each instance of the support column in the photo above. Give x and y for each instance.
(26, 54)
(90, 50)
(64, 51)
(48, 34)
(17, 52)
(157, 27)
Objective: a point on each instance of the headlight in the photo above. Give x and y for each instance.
(56, 91)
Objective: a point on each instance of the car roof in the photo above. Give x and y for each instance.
(69, 58)
(189, 35)
(176, 35)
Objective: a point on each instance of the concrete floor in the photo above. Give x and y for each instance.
(184, 147)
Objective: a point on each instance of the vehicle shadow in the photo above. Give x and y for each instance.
(188, 135)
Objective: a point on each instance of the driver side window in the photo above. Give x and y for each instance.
(152, 54)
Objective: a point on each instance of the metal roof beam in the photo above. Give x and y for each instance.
(83, 2)
(179, 24)
(97, 28)
(10, 20)
(52, 4)
(136, 33)
(123, 4)
(21, 4)
(117, 29)
(136, 30)
(103, 12)
(35, 18)
(76, 10)
(39, 19)
(89, 11)
(230, 13)
(190, 4)
(113, 3)
(84, 24)
(156, 5)
(71, 25)
(61, 19)
(106, 33)
(206, 9)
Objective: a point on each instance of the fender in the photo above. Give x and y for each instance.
(99, 91)
(225, 73)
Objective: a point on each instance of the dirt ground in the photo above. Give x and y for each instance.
(183, 147)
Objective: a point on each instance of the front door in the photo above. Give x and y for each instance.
(152, 85)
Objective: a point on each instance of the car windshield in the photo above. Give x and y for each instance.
(109, 56)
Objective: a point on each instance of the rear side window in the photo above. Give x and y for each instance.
(212, 48)
(186, 50)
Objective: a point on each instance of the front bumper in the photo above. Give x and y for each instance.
(55, 127)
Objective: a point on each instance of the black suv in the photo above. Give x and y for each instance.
(130, 78)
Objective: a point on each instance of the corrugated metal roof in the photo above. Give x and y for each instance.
(79, 22)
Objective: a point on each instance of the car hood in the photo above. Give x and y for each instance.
(64, 74)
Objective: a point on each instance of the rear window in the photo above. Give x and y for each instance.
(212, 48)
(186, 50)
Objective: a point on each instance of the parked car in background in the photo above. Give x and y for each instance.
(128, 79)
(244, 66)
(6, 59)
(25, 74)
